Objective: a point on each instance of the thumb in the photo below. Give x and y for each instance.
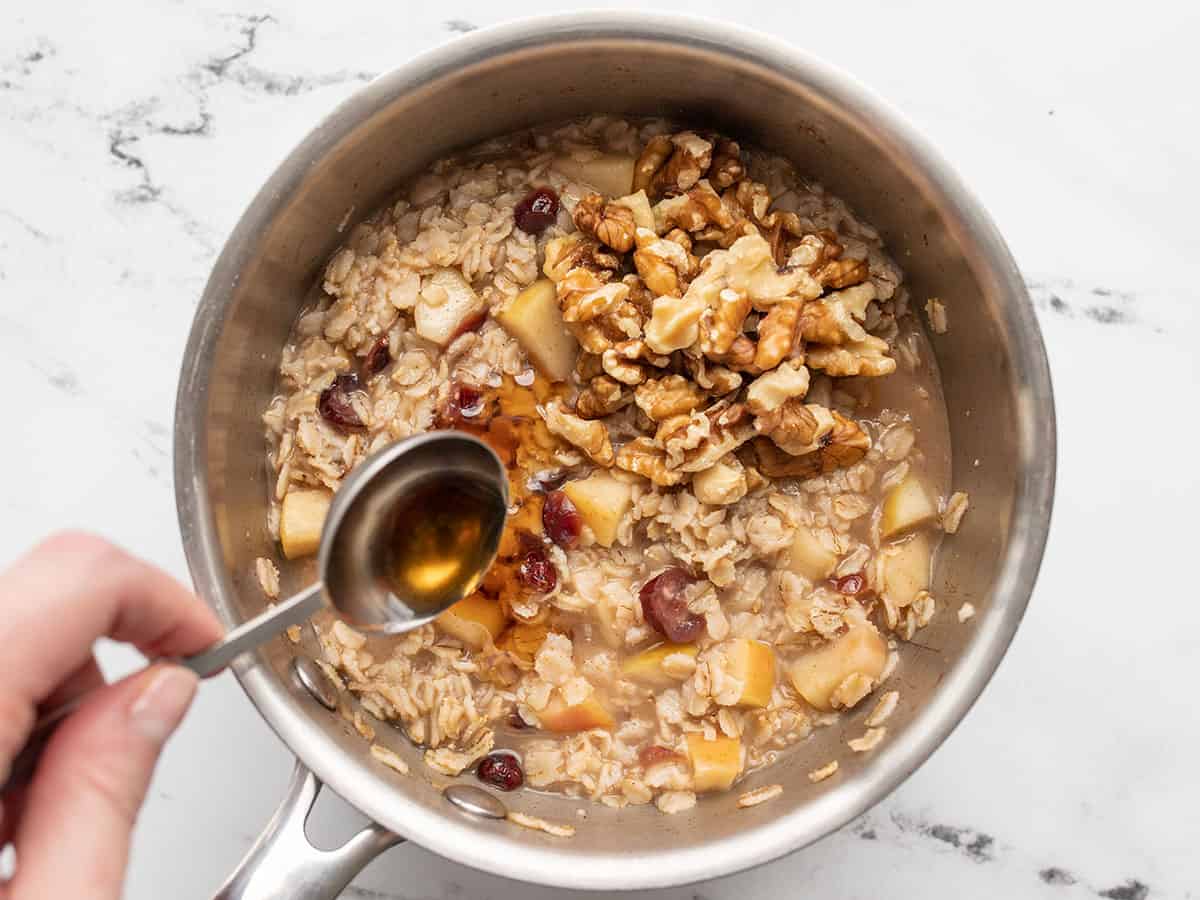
(73, 840)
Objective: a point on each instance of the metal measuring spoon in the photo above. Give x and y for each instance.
(396, 551)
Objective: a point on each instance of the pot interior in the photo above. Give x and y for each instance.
(992, 365)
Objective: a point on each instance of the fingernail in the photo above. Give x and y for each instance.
(160, 706)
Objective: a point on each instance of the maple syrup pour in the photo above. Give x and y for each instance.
(441, 539)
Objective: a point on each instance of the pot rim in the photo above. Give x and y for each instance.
(555, 863)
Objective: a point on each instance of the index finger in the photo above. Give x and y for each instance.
(76, 587)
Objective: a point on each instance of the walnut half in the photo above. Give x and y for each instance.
(717, 380)
(796, 427)
(729, 428)
(777, 334)
(578, 251)
(770, 391)
(836, 318)
(672, 164)
(673, 395)
(866, 357)
(643, 457)
(699, 209)
(610, 223)
(727, 169)
(664, 265)
(603, 396)
(590, 437)
(816, 438)
(674, 324)
(583, 296)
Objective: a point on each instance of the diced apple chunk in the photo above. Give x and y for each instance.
(753, 664)
(559, 717)
(445, 304)
(647, 666)
(534, 319)
(715, 764)
(906, 570)
(638, 204)
(301, 520)
(609, 173)
(476, 620)
(817, 675)
(526, 520)
(601, 500)
(908, 505)
(810, 556)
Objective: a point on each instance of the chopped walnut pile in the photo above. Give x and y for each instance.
(702, 313)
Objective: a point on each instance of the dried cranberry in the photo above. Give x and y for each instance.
(664, 606)
(850, 584)
(561, 520)
(378, 357)
(537, 211)
(335, 406)
(516, 722)
(537, 572)
(501, 770)
(469, 402)
(464, 406)
(654, 754)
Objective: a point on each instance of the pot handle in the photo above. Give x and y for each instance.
(283, 865)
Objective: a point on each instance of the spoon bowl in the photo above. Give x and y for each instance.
(412, 530)
(398, 510)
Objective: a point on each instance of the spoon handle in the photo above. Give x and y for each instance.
(209, 662)
(249, 635)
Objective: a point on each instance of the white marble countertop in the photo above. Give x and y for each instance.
(134, 134)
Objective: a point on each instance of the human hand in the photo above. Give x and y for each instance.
(71, 824)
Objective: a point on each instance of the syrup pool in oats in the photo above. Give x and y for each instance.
(725, 437)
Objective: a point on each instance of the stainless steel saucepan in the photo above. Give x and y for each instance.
(497, 80)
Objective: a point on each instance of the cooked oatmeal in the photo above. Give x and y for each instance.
(726, 448)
